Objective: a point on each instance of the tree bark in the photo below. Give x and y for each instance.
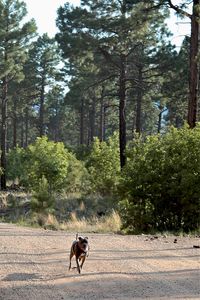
(26, 127)
(92, 119)
(82, 122)
(88, 126)
(4, 131)
(14, 122)
(194, 67)
(104, 122)
(57, 137)
(102, 117)
(22, 132)
(122, 117)
(41, 112)
(101, 131)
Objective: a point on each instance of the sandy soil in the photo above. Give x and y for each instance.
(34, 265)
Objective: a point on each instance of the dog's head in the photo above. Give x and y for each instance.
(83, 243)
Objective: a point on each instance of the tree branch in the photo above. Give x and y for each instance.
(99, 82)
(108, 57)
(179, 10)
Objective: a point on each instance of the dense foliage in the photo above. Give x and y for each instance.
(103, 88)
(161, 182)
(104, 166)
(44, 168)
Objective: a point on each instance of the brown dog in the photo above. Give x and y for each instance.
(79, 248)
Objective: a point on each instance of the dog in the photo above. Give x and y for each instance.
(79, 249)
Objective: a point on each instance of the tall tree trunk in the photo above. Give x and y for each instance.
(133, 122)
(41, 113)
(22, 132)
(82, 122)
(92, 119)
(88, 126)
(139, 101)
(56, 136)
(15, 122)
(159, 121)
(194, 67)
(122, 117)
(194, 70)
(102, 117)
(101, 131)
(4, 131)
(104, 122)
(26, 126)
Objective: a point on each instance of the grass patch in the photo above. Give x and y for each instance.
(110, 223)
(106, 224)
(72, 213)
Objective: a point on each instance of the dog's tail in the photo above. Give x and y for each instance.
(77, 236)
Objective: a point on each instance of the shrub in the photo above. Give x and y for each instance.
(43, 199)
(46, 159)
(46, 167)
(104, 166)
(161, 182)
(50, 160)
(77, 179)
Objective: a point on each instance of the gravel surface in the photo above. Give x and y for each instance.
(34, 265)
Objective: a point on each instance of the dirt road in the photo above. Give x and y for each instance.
(34, 265)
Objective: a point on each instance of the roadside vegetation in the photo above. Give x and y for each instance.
(157, 190)
(99, 124)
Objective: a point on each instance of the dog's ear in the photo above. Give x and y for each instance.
(80, 238)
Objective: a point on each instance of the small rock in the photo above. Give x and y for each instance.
(175, 241)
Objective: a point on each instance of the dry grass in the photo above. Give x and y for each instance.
(106, 224)
(13, 198)
(47, 221)
(111, 223)
(75, 222)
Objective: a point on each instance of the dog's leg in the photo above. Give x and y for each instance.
(78, 266)
(88, 251)
(82, 262)
(70, 259)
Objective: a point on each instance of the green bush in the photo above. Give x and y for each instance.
(43, 199)
(46, 159)
(15, 164)
(104, 166)
(161, 182)
(51, 168)
(77, 179)
(46, 167)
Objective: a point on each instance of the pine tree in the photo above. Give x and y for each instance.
(14, 40)
(114, 30)
(55, 113)
(182, 10)
(44, 60)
